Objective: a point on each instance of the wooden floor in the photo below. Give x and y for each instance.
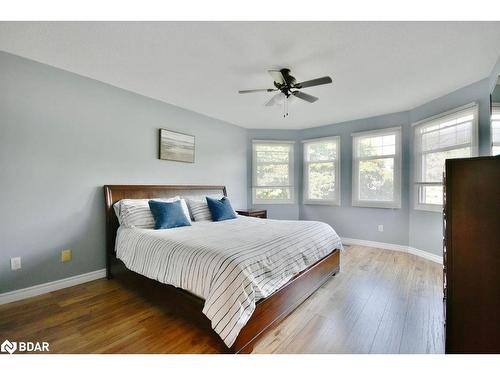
(381, 302)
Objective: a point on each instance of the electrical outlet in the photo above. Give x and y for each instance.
(380, 228)
(66, 255)
(15, 263)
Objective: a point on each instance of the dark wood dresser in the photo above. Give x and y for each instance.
(471, 255)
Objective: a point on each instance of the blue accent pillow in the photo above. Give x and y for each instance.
(221, 209)
(168, 214)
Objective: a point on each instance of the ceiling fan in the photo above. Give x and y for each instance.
(289, 87)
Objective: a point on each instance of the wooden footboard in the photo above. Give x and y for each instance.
(273, 309)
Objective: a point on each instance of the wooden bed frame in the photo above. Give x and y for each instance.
(268, 312)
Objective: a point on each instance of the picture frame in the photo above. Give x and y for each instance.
(175, 146)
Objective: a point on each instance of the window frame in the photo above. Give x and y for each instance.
(397, 156)
(495, 107)
(337, 165)
(291, 174)
(417, 154)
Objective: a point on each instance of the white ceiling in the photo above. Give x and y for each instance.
(377, 67)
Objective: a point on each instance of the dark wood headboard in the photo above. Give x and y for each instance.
(115, 193)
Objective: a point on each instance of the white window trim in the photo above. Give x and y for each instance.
(329, 202)
(396, 203)
(493, 144)
(444, 114)
(291, 176)
(417, 160)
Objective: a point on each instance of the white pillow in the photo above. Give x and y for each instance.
(200, 199)
(136, 212)
(199, 210)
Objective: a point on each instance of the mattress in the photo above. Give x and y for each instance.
(230, 264)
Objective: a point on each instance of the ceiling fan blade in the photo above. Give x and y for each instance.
(313, 82)
(277, 76)
(304, 96)
(273, 100)
(257, 90)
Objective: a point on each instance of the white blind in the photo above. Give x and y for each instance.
(321, 150)
(372, 146)
(495, 129)
(450, 131)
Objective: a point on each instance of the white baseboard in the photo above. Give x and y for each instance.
(425, 254)
(394, 247)
(51, 286)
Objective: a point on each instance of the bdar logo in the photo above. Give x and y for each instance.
(24, 346)
(9, 347)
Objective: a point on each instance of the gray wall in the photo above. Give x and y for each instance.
(495, 95)
(495, 72)
(62, 137)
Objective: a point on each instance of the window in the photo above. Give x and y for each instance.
(273, 172)
(446, 136)
(322, 171)
(376, 174)
(495, 129)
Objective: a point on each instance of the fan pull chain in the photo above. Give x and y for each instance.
(285, 107)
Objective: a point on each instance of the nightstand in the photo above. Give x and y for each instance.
(262, 214)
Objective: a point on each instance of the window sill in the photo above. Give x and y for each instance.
(321, 203)
(271, 202)
(394, 206)
(429, 208)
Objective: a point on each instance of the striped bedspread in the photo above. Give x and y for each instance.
(230, 264)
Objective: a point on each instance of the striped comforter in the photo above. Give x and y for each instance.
(230, 264)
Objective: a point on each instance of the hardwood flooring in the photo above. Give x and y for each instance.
(381, 302)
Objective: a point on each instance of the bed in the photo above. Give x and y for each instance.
(243, 275)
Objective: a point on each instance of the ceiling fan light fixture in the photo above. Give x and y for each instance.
(288, 89)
